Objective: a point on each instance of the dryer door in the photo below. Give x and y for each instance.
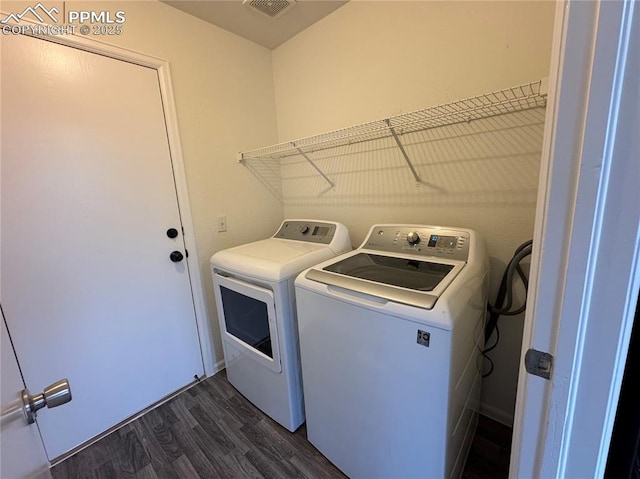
(248, 319)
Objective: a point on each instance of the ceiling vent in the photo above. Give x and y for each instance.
(270, 8)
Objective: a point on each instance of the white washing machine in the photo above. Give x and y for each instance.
(390, 337)
(255, 300)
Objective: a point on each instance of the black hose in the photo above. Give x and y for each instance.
(506, 290)
(504, 298)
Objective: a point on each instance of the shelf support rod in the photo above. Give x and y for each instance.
(314, 165)
(403, 151)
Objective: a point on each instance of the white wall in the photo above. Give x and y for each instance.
(224, 96)
(371, 60)
(365, 61)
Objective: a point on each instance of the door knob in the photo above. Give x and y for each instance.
(54, 395)
(172, 233)
(176, 256)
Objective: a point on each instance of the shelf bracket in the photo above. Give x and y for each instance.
(403, 151)
(304, 155)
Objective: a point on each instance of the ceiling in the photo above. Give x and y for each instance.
(248, 23)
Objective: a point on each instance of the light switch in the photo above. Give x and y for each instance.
(222, 223)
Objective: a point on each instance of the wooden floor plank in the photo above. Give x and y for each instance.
(313, 469)
(159, 460)
(211, 431)
(147, 472)
(106, 471)
(264, 466)
(76, 467)
(306, 455)
(197, 458)
(243, 410)
(207, 445)
(267, 451)
(160, 433)
(184, 469)
(237, 461)
(222, 387)
(230, 426)
(182, 413)
(265, 440)
(222, 441)
(131, 456)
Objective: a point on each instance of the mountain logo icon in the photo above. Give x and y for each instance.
(33, 11)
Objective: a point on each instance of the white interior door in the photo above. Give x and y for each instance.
(586, 259)
(89, 290)
(21, 452)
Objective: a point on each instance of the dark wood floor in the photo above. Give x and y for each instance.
(211, 431)
(490, 451)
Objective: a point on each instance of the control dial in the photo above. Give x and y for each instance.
(304, 229)
(413, 238)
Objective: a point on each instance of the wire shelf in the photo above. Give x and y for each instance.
(269, 163)
(517, 98)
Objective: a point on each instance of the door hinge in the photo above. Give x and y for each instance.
(538, 363)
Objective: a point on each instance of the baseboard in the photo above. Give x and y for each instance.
(218, 366)
(497, 414)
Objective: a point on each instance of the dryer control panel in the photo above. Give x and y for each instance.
(310, 231)
(420, 240)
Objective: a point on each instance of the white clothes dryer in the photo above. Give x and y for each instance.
(390, 336)
(255, 301)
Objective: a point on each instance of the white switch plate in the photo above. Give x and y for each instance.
(222, 223)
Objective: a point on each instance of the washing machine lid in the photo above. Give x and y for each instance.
(404, 273)
(403, 279)
(272, 259)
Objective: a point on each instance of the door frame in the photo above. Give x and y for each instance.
(205, 332)
(585, 268)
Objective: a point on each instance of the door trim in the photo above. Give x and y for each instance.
(205, 333)
(584, 285)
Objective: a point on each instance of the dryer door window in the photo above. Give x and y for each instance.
(248, 320)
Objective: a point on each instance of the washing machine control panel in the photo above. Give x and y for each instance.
(310, 231)
(420, 240)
